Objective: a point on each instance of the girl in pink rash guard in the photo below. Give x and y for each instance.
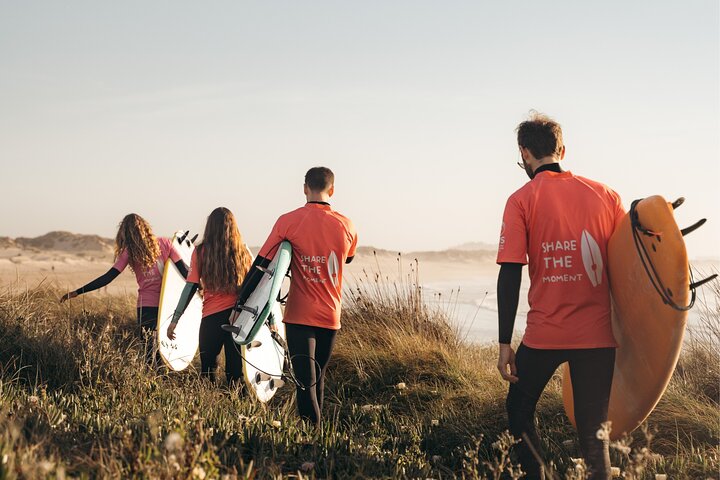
(146, 254)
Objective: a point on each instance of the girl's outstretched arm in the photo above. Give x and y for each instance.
(99, 282)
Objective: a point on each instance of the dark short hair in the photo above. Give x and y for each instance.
(541, 135)
(319, 179)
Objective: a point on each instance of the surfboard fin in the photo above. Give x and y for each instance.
(702, 282)
(253, 311)
(677, 203)
(262, 377)
(265, 270)
(231, 329)
(183, 237)
(693, 227)
(279, 340)
(276, 383)
(192, 240)
(254, 344)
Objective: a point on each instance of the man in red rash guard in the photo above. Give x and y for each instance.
(559, 225)
(322, 242)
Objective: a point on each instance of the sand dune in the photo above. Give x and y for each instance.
(70, 260)
(66, 242)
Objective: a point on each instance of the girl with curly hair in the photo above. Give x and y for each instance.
(137, 247)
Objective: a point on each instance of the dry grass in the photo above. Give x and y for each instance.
(405, 399)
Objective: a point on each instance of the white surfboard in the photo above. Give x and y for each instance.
(263, 364)
(263, 358)
(179, 353)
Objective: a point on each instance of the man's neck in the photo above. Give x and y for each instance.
(318, 198)
(549, 167)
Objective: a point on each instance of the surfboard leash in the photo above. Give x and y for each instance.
(653, 275)
(288, 359)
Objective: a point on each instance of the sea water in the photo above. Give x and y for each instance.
(471, 306)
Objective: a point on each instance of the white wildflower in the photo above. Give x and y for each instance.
(173, 441)
(46, 466)
(198, 472)
(174, 465)
(401, 386)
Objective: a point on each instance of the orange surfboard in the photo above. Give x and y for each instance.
(650, 285)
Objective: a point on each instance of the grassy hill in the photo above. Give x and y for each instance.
(405, 399)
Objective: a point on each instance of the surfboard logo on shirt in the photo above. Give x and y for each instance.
(592, 258)
(333, 269)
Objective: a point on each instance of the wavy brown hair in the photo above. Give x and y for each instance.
(224, 259)
(541, 135)
(136, 236)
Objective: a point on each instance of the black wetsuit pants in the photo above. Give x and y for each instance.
(147, 321)
(310, 349)
(212, 339)
(591, 371)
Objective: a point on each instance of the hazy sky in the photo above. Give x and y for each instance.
(171, 108)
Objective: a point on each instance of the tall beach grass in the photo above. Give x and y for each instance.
(405, 398)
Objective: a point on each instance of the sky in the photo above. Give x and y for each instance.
(172, 108)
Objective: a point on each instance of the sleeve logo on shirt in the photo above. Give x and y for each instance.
(501, 245)
(592, 258)
(333, 269)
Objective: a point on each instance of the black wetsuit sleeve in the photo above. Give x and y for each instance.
(182, 268)
(99, 282)
(508, 296)
(185, 297)
(349, 259)
(252, 278)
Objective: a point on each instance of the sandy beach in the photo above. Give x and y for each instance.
(460, 281)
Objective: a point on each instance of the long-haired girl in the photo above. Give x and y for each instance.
(146, 254)
(218, 266)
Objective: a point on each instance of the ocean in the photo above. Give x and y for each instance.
(471, 306)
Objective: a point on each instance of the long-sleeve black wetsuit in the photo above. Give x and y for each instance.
(591, 372)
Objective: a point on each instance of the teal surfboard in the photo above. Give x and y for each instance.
(262, 301)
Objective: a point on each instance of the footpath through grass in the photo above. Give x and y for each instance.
(404, 399)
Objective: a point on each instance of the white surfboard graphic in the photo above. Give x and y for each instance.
(592, 259)
(333, 268)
